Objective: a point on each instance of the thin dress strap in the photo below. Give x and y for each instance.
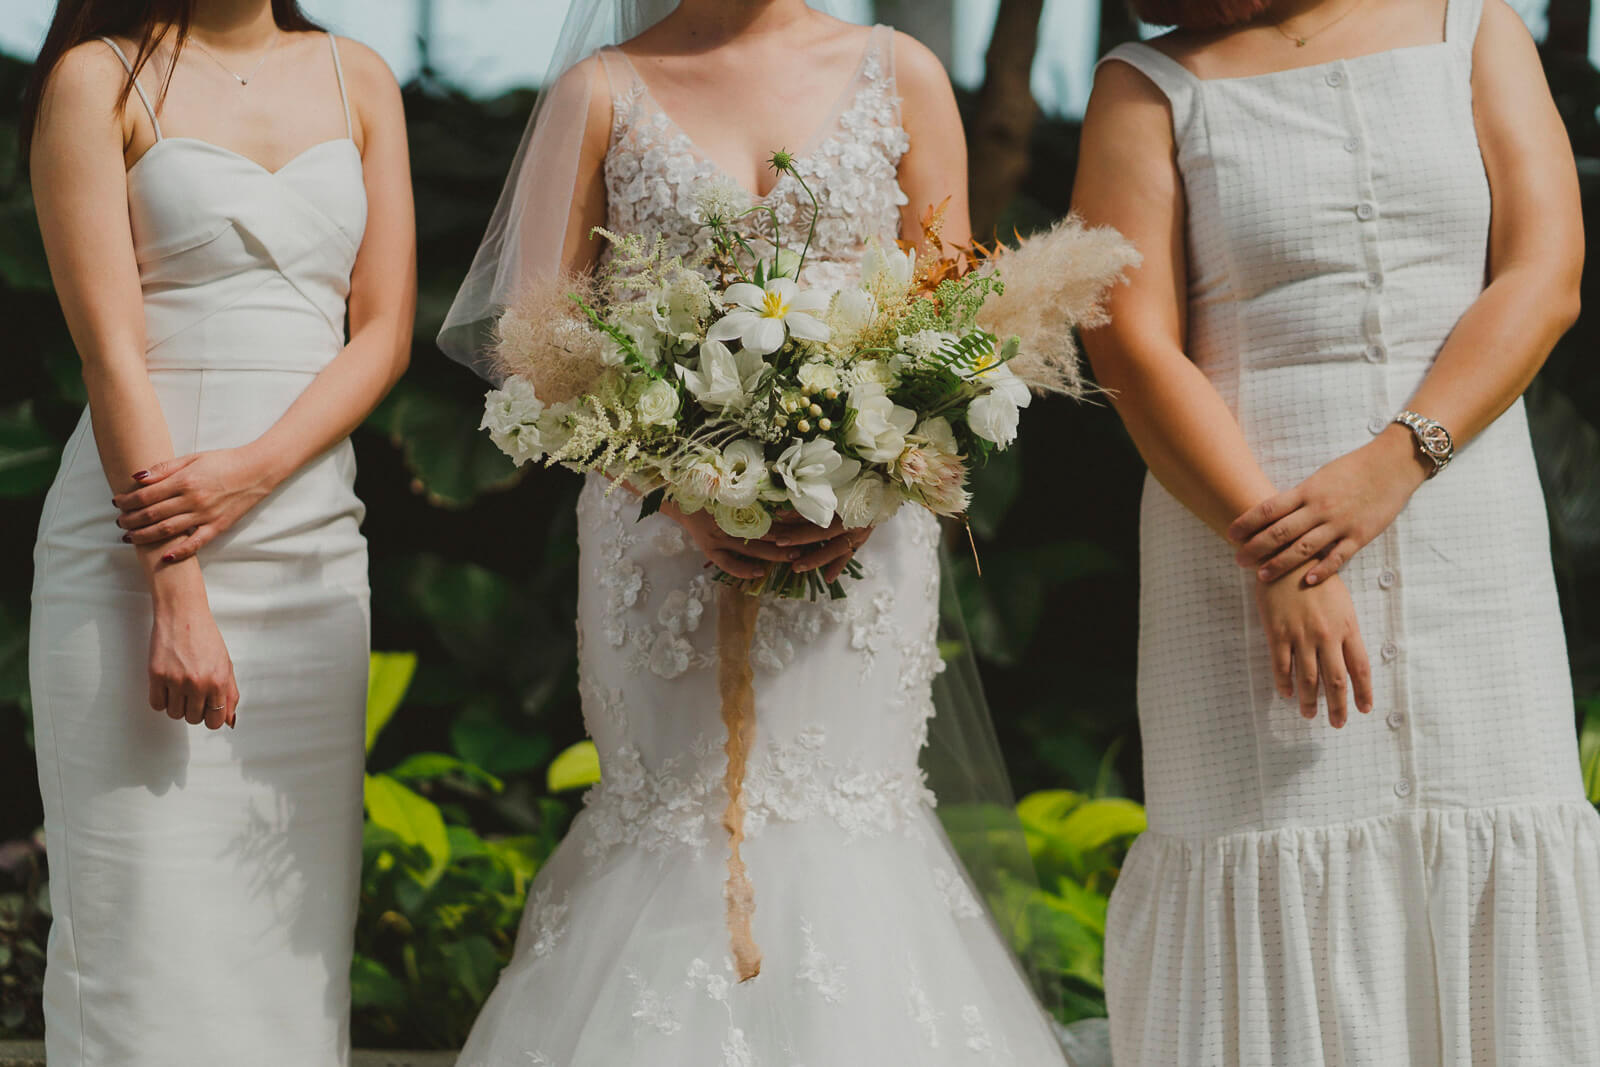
(127, 66)
(344, 96)
(1175, 80)
(1461, 19)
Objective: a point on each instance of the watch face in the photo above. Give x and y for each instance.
(1436, 439)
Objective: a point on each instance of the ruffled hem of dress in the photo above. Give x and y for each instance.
(1456, 937)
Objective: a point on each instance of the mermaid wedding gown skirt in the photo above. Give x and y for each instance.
(876, 950)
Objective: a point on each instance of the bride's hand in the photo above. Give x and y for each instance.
(833, 547)
(1315, 643)
(735, 555)
(191, 673)
(192, 499)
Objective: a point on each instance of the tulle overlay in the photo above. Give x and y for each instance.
(1328, 921)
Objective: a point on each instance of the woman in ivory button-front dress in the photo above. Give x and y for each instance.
(1361, 238)
(218, 183)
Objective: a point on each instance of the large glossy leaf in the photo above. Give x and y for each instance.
(1589, 748)
(576, 768)
(1099, 822)
(415, 820)
(389, 675)
(372, 986)
(431, 766)
(438, 434)
(29, 456)
(473, 966)
(498, 749)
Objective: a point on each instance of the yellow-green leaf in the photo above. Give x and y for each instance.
(1099, 822)
(410, 817)
(1589, 750)
(388, 677)
(576, 768)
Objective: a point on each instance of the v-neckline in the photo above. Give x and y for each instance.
(234, 154)
(851, 91)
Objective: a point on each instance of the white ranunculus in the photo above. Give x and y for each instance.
(744, 474)
(854, 308)
(868, 501)
(749, 522)
(763, 318)
(812, 472)
(511, 415)
(994, 416)
(724, 379)
(884, 264)
(879, 431)
(658, 404)
(818, 376)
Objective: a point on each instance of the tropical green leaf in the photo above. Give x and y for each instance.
(1099, 822)
(389, 675)
(372, 986)
(415, 820)
(431, 766)
(497, 749)
(473, 966)
(576, 768)
(453, 461)
(1589, 748)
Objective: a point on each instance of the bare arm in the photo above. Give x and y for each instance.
(81, 192)
(1535, 264)
(582, 251)
(935, 167)
(187, 502)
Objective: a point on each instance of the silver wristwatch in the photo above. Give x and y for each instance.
(1433, 440)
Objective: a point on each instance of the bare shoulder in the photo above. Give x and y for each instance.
(916, 68)
(1123, 89)
(88, 75)
(365, 68)
(1501, 33)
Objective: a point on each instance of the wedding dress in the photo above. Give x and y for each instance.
(877, 951)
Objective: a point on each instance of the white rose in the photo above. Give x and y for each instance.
(879, 431)
(938, 433)
(744, 467)
(658, 404)
(819, 376)
(868, 501)
(749, 522)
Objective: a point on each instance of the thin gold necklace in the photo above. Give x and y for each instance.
(1302, 39)
(242, 79)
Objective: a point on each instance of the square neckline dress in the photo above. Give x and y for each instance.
(1422, 887)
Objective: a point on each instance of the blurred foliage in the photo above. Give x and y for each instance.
(474, 568)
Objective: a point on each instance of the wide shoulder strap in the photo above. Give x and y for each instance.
(1174, 80)
(1461, 19)
(127, 65)
(344, 94)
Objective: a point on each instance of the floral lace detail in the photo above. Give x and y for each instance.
(650, 1008)
(957, 894)
(652, 169)
(680, 805)
(548, 921)
(978, 1039)
(920, 1007)
(816, 968)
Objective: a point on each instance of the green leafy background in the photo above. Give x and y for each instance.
(476, 755)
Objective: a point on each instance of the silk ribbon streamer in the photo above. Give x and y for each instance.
(736, 627)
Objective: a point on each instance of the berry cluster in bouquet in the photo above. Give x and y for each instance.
(760, 399)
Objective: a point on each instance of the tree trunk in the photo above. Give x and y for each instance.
(930, 21)
(1002, 126)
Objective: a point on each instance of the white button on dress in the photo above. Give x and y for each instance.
(1292, 902)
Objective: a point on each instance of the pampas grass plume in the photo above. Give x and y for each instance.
(545, 338)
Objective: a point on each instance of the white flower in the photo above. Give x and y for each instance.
(854, 308)
(879, 431)
(925, 344)
(938, 433)
(868, 501)
(749, 522)
(883, 264)
(658, 404)
(723, 379)
(818, 376)
(812, 471)
(698, 483)
(994, 415)
(932, 470)
(744, 474)
(763, 315)
(788, 263)
(682, 305)
(511, 415)
(721, 200)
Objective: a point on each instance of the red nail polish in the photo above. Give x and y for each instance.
(140, 476)
(127, 539)
(169, 558)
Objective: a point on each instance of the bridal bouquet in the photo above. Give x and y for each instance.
(754, 395)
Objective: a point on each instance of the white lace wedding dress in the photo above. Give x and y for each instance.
(876, 951)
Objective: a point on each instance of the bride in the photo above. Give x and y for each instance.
(876, 948)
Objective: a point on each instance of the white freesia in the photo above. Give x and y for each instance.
(749, 522)
(511, 415)
(868, 501)
(812, 472)
(882, 264)
(878, 433)
(744, 474)
(658, 404)
(763, 317)
(995, 415)
(854, 309)
(724, 379)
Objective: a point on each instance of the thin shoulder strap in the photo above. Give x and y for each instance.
(619, 69)
(1461, 18)
(127, 66)
(1173, 79)
(344, 96)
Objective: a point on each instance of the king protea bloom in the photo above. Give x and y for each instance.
(763, 318)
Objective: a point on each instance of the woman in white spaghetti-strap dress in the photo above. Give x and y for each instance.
(876, 951)
(1421, 887)
(204, 881)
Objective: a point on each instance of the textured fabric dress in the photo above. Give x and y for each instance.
(1423, 886)
(204, 883)
(876, 950)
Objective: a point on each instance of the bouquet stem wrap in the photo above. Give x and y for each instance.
(736, 627)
